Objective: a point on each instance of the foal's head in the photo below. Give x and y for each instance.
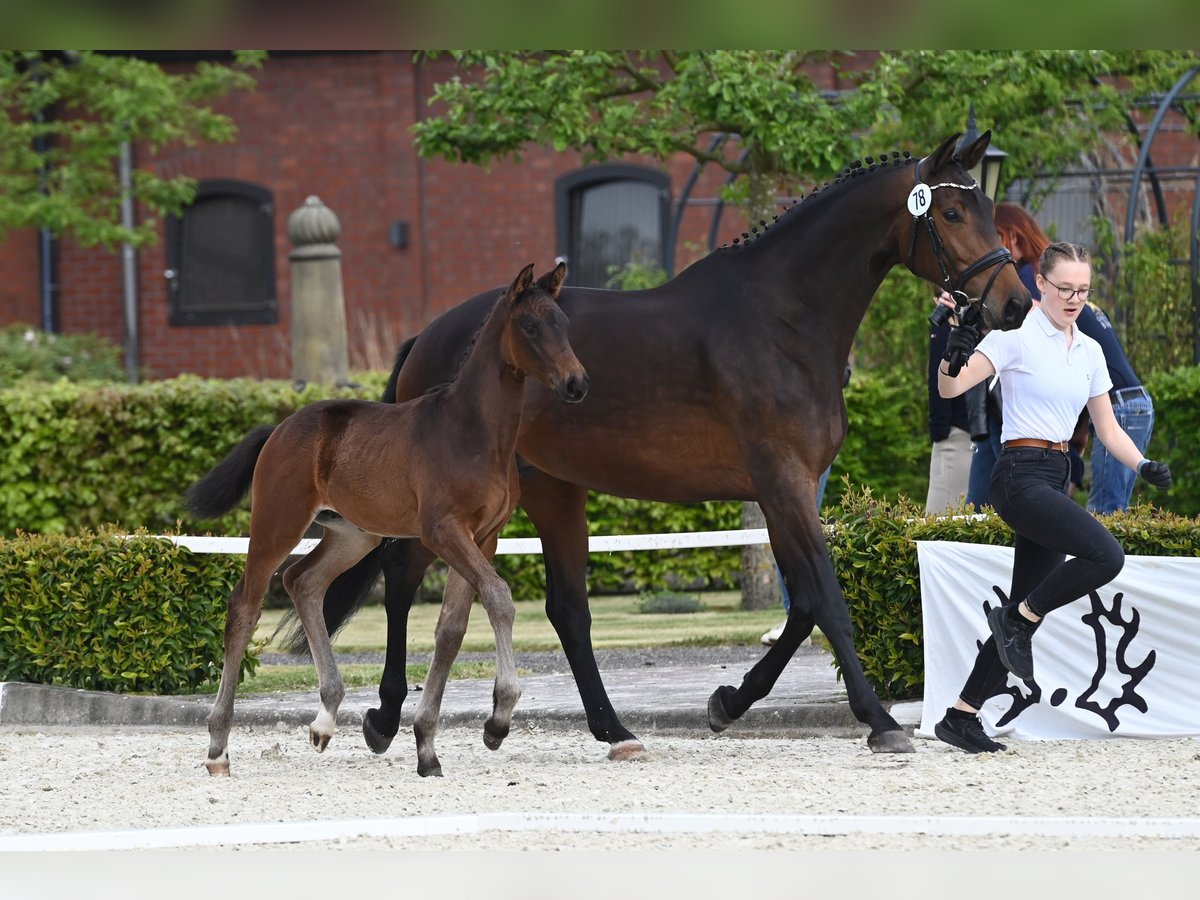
(535, 341)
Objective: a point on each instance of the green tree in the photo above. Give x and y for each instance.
(64, 117)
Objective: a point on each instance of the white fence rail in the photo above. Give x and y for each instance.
(596, 543)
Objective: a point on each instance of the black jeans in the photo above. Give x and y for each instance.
(1029, 491)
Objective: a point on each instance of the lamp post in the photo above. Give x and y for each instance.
(987, 171)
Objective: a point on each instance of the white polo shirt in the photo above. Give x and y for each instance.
(1045, 384)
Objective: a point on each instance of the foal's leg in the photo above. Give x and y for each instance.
(404, 562)
(451, 627)
(558, 512)
(456, 547)
(266, 554)
(306, 582)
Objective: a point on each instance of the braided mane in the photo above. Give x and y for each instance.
(856, 169)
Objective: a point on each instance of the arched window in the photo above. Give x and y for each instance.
(221, 257)
(609, 216)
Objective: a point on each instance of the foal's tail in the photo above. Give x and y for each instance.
(389, 392)
(220, 490)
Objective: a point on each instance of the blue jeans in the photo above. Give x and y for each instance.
(821, 482)
(983, 460)
(1112, 480)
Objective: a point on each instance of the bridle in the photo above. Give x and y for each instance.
(997, 258)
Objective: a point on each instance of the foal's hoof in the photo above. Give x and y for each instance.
(375, 737)
(319, 741)
(718, 718)
(218, 768)
(434, 771)
(627, 751)
(894, 741)
(493, 736)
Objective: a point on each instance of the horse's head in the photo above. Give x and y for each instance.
(953, 240)
(536, 342)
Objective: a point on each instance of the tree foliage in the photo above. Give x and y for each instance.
(64, 117)
(1045, 106)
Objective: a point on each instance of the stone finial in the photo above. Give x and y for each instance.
(314, 223)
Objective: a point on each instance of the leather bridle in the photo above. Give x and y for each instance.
(956, 283)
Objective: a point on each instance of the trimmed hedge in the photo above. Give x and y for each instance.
(106, 613)
(875, 556)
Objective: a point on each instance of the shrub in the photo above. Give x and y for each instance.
(27, 353)
(102, 612)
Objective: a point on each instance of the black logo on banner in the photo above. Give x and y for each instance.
(1028, 693)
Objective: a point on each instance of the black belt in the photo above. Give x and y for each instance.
(1120, 395)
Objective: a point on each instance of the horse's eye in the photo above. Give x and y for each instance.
(952, 215)
(530, 328)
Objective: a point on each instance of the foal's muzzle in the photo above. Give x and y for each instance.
(574, 388)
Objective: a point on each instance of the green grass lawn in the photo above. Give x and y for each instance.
(616, 622)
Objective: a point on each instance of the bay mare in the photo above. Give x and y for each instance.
(722, 384)
(439, 469)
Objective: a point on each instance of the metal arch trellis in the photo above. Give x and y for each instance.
(1143, 165)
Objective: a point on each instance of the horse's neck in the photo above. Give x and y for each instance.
(831, 257)
(488, 389)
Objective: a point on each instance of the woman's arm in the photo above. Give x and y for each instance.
(1110, 432)
(978, 368)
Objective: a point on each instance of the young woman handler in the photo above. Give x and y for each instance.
(1049, 370)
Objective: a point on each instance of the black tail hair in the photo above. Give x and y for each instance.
(222, 488)
(343, 599)
(389, 392)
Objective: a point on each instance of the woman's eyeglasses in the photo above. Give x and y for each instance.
(1066, 293)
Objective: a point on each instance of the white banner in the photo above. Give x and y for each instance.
(1120, 662)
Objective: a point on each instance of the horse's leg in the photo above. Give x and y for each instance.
(269, 547)
(455, 546)
(404, 563)
(451, 627)
(558, 512)
(306, 582)
(799, 546)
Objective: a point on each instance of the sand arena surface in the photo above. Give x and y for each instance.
(91, 779)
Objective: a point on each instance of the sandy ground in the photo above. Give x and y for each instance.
(89, 780)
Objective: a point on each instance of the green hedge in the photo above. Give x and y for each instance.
(875, 555)
(101, 612)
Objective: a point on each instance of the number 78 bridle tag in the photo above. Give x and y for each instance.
(919, 199)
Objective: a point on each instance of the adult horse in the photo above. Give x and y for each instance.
(440, 468)
(725, 383)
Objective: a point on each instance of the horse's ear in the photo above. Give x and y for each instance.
(521, 283)
(969, 157)
(552, 281)
(942, 156)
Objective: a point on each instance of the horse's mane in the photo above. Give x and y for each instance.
(856, 169)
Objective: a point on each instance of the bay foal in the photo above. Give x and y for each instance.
(440, 468)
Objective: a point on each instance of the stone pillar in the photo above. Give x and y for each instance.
(319, 345)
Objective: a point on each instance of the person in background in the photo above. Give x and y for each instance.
(770, 637)
(1050, 370)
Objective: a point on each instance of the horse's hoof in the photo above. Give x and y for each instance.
(319, 741)
(894, 741)
(626, 751)
(376, 740)
(218, 768)
(718, 718)
(493, 737)
(430, 771)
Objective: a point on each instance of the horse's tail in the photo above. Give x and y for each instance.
(220, 490)
(343, 599)
(389, 392)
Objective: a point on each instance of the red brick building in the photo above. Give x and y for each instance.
(417, 236)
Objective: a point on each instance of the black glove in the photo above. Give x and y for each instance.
(1157, 473)
(960, 344)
